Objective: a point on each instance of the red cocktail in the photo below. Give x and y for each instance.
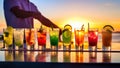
(41, 36)
(93, 37)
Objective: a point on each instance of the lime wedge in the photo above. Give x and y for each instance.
(66, 33)
(108, 28)
(69, 27)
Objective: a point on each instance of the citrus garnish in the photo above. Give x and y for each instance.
(69, 27)
(8, 31)
(66, 33)
(108, 28)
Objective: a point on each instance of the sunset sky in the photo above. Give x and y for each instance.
(77, 12)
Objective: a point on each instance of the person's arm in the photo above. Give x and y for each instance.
(21, 13)
(45, 21)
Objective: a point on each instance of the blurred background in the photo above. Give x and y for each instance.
(76, 12)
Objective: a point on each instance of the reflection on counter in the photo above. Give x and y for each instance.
(93, 57)
(19, 56)
(69, 57)
(106, 57)
(41, 57)
(66, 56)
(79, 57)
(9, 56)
(54, 56)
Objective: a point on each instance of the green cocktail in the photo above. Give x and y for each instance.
(54, 37)
(18, 37)
(66, 37)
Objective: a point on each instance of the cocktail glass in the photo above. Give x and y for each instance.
(8, 37)
(106, 40)
(66, 36)
(93, 39)
(30, 38)
(41, 36)
(79, 38)
(18, 38)
(54, 38)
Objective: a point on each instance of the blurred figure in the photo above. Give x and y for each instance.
(20, 14)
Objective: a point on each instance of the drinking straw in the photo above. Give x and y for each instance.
(88, 26)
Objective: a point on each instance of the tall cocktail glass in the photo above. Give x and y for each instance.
(18, 38)
(8, 37)
(54, 38)
(41, 37)
(79, 38)
(30, 38)
(93, 39)
(107, 37)
(66, 36)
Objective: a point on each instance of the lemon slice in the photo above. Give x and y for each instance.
(10, 29)
(69, 27)
(108, 28)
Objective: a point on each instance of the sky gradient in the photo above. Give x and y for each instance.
(77, 12)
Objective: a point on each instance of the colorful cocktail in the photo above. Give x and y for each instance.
(30, 38)
(54, 37)
(18, 38)
(66, 36)
(107, 37)
(8, 37)
(93, 39)
(41, 36)
(79, 38)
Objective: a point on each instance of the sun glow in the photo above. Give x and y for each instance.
(77, 23)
